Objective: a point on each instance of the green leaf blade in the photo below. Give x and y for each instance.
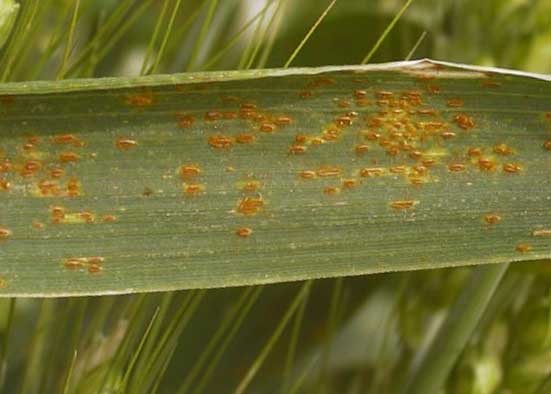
(122, 216)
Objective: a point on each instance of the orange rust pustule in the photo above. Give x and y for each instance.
(229, 115)
(68, 157)
(384, 94)
(456, 167)
(371, 171)
(140, 100)
(57, 172)
(251, 186)
(317, 141)
(297, 149)
(541, 233)
(244, 232)
(473, 152)
(5, 185)
(220, 142)
(428, 162)
(267, 127)
(283, 120)
(185, 121)
(433, 89)
(343, 103)
(371, 135)
(194, 189)
(6, 166)
(485, 164)
(503, 149)
(67, 139)
(245, 138)
(343, 121)
(403, 204)
(492, 218)
(455, 102)
(419, 170)
(213, 116)
(331, 190)
(30, 168)
(73, 187)
(397, 169)
(189, 171)
(464, 121)
(94, 268)
(108, 218)
(361, 149)
(328, 171)
(250, 205)
(48, 188)
(307, 174)
(125, 143)
(37, 225)
(88, 217)
(58, 214)
(5, 233)
(92, 264)
(547, 145)
(511, 168)
(523, 248)
(349, 183)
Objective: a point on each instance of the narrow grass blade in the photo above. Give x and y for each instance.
(388, 29)
(257, 364)
(430, 374)
(309, 34)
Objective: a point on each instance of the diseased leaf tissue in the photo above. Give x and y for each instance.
(282, 177)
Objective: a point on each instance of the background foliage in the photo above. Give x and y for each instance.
(345, 335)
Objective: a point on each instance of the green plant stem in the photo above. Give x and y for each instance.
(430, 374)
(234, 39)
(202, 35)
(166, 36)
(416, 45)
(69, 44)
(307, 36)
(388, 29)
(291, 351)
(153, 39)
(251, 373)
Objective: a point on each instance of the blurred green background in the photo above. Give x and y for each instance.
(358, 335)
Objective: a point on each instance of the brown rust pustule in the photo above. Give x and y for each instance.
(250, 205)
(189, 171)
(220, 142)
(523, 248)
(403, 204)
(492, 218)
(464, 121)
(5, 233)
(244, 232)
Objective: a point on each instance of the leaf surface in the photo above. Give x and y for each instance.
(236, 178)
